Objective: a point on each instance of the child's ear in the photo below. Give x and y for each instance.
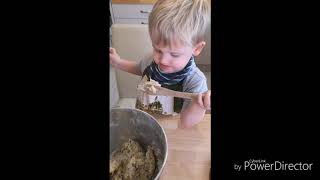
(198, 48)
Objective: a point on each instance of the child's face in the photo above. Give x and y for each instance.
(172, 59)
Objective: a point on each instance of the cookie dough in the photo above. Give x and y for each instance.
(130, 162)
(148, 86)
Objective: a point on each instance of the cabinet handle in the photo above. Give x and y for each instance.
(144, 12)
(143, 23)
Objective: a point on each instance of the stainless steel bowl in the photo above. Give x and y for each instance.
(142, 127)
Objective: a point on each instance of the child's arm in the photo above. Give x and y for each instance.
(125, 65)
(195, 112)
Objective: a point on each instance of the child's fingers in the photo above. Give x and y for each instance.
(113, 53)
(112, 50)
(207, 100)
(199, 100)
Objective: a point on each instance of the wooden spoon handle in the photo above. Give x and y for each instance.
(185, 95)
(168, 92)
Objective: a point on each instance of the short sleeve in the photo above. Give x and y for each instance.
(197, 83)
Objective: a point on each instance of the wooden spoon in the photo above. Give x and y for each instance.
(167, 92)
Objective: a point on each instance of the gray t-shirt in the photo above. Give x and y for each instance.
(196, 82)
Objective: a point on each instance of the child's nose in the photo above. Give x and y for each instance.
(164, 59)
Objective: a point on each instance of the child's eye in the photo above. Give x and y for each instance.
(175, 55)
(157, 51)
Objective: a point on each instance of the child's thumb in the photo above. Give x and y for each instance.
(112, 50)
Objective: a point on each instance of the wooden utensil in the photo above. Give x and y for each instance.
(167, 92)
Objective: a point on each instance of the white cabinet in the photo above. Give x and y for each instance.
(114, 92)
(131, 13)
(131, 21)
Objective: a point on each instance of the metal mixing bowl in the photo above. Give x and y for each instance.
(141, 127)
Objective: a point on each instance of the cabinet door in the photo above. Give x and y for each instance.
(114, 93)
(131, 11)
(131, 21)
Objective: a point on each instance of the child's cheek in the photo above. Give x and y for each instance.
(155, 58)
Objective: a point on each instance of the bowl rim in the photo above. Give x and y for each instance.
(164, 133)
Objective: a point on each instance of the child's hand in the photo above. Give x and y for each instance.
(203, 100)
(114, 57)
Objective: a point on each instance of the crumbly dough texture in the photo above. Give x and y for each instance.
(148, 86)
(131, 163)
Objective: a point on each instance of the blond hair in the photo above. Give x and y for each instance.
(183, 20)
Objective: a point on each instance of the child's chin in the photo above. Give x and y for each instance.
(166, 70)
